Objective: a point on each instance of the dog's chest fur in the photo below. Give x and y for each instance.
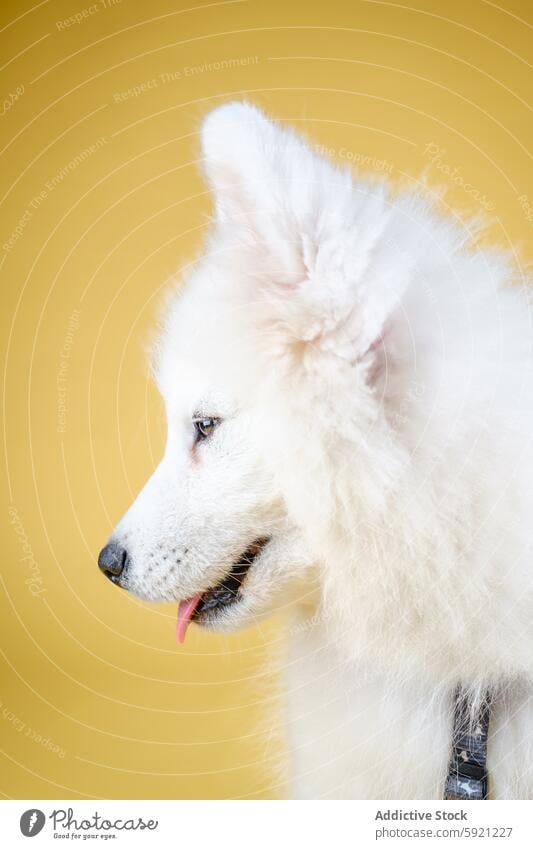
(355, 734)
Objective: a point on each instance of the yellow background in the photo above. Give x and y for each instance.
(101, 201)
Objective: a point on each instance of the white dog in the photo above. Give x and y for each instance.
(349, 394)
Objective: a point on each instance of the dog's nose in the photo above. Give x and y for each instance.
(112, 560)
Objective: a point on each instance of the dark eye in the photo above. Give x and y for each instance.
(204, 427)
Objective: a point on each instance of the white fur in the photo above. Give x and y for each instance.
(374, 377)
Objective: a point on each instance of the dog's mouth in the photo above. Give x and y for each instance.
(208, 603)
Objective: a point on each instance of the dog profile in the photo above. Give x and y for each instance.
(349, 396)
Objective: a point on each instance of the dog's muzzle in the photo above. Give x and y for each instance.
(113, 560)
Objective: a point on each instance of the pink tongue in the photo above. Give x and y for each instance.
(185, 611)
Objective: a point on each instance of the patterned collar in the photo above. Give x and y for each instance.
(467, 772)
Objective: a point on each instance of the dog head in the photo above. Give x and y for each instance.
(265, 362)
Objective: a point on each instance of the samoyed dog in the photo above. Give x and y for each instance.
(349, 394)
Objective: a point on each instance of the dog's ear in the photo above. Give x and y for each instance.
(247, 161)
(318, 236)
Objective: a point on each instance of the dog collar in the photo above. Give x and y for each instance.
(467, 772)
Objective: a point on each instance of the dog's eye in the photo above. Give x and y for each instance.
(204, 427)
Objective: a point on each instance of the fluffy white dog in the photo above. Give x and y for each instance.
(349, 395)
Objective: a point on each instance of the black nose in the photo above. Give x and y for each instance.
(112, 560)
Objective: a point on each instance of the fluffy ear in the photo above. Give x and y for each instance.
(314, 232)
(248, 159)
(249, 163)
